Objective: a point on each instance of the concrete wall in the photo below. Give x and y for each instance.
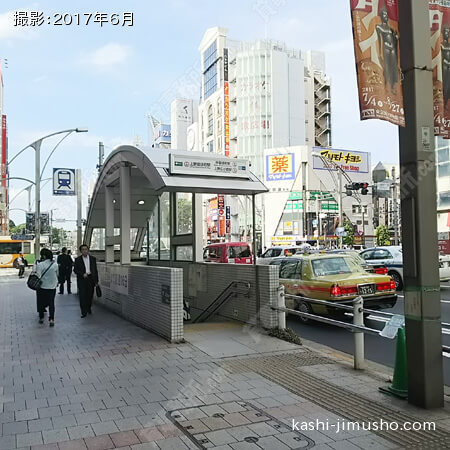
(151, 297)
(204, 282)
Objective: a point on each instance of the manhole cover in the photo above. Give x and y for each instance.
(200, 423)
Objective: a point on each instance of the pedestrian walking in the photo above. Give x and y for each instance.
(21, 264)
(85, 268)
(65, 264)
(47, 271)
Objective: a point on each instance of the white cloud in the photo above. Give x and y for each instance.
(107, 56)
(9, 32)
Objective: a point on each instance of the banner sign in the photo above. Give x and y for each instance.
(280, 167)
(377, 54)
(348, 160)
(220, 201)
(440, 53)
(221, 229)
(213, 203)
(226, 97)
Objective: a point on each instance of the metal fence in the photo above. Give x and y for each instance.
(356, 307)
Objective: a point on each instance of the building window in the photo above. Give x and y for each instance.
(210, 69)
(210, 146)
(210, 55)
(443, 155)
(444, 170)
(210, 120)
(219, 109)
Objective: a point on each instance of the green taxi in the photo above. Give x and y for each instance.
(334, 278)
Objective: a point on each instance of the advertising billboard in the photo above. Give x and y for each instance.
(162, 134)
(440, 54)
(349, 160)
(280, 167)
(376, 44)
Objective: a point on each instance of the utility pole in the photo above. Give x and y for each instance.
(363, 237)
(418, 213)
(101, 154)
(318, 218)
(79, 212)
(28, 189)
(37, 191)
(341, 214)
(395, 206)
(51, 230)
(304, 200)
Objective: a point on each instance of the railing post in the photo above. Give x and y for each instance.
(358, 319)
(281, 304)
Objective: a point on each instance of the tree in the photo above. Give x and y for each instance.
(11, 223)
(350, 238)
(184, 215)
(17, 229)
(59, 235)
(382, 235)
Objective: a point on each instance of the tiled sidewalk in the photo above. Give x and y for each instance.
(101, 383)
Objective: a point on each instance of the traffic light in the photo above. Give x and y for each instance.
(356, 187)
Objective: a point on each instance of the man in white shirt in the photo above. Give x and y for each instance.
(85, 268)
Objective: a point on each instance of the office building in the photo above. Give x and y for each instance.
(259, 95)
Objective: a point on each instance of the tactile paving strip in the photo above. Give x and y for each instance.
(285, 370)
(236, 422)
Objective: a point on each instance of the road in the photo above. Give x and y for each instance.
(377, 349)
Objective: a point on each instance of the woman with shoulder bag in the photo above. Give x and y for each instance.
(47, 271)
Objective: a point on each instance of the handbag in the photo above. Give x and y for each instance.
(98, 291)
(34, 282)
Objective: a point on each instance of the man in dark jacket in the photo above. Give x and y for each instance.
(85, 267)
(65, 264)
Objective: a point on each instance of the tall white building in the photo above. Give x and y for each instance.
(259, 95)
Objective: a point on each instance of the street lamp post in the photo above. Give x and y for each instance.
(36, 145)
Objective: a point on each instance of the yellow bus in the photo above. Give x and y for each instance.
(11, 246)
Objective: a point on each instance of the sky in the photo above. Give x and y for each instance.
(107, 78)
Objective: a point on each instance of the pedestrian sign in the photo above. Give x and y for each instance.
(64, 182)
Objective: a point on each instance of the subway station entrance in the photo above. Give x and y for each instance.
(145, 225)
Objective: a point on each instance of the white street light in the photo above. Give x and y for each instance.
(36, 145)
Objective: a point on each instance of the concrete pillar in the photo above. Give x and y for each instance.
(125, 215)
(197, 231)
(418, 213)
(109, 225)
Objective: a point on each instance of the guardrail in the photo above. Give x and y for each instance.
(357, 327)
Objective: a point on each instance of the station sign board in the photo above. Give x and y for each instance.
(64, 182)
(217, 166)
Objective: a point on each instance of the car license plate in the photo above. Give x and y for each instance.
(366, 289)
